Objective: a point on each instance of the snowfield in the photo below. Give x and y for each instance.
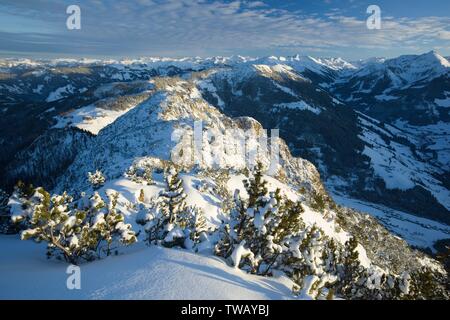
(416, 231)
(142, 273)
(152, 272)
(89, 118)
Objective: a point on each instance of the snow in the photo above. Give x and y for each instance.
(175, 233)
(207, 85)
(141, 273)
(416, 231)
(60, 93)
(444, 103)
(433, 137)
(273, 71)
(38, 89)
(319, 65)
(240, 252)
(309, 217)
(285, 89)
(90, 118)
(404, 71)
(394, 174)
(299, 105)
(385, 97)
(129, 191)
(398, 165)
(236, 182)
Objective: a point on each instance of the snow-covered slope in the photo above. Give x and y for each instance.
(405, 70)
(419, 232)
(158, 128)
(372, 157)
(149, 129)
(295, 94)
(141, 273)
(400, 165)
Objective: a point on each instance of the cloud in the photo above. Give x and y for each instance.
(200, 27)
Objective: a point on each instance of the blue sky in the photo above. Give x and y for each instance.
(176, 28)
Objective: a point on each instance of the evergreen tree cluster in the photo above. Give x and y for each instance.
(169, 220)
(258, 226)
(141, 173)
(74, 231)
(266, 232)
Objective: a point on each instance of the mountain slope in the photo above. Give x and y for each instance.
(147, 273)
(337, 139)
(159, 129)
(352, 151)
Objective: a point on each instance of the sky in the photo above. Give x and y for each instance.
(181, 28)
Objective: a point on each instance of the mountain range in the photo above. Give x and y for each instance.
(363, 146)
(377, 129)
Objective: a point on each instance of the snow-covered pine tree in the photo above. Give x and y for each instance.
(168, 223)
(148, 175)
(256, 187)
(318, 202)
(111, 226)
(291, 222)
(141, 173)
(52, 221)
(76, 234)
(173, 198)
(350, 271)
(253, 227)
(425, 284)
(21, 204)
(331, 256)
(96, 179)
(307, 264)
(240, 230)
(195, 222)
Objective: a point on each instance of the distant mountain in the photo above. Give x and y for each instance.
(376, 129)
(410, 88)
(355, 153)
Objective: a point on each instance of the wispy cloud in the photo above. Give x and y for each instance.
(200, 27)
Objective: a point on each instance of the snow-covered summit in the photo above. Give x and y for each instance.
(406, 69)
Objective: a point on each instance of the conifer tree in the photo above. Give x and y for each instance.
(256, 187)
(96, 179)
(196, 223)
(350, 271)
(148, 175)
(173, 198)
(306, 262)
(77, 234)
(169, 219)
(290, 221)
(21, 204)
(257, 225)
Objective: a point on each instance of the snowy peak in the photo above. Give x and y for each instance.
(417, 67)
(406, 69)
(435, 56)
(336, 64)
(318, 65)
(277, 71)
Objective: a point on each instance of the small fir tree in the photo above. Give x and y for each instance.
(96, 179)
